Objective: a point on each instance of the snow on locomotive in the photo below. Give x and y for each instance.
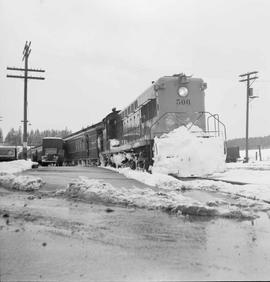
(126, 137)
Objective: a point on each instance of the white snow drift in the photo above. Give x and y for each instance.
(167, 200)
(183, 153)
(21, 182)
(250, 191)
(15, 166)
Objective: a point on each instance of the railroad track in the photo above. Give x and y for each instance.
(190, 178)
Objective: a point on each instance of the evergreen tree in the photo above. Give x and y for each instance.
(1, 136)
(14, 137)
(254, 142)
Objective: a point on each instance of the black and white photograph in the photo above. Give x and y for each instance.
(134, 140)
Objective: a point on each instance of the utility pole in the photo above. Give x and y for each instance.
(248, 77)
(26, 53)
(1, 133)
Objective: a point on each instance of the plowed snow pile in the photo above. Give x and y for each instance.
(166, 200)
(249, 191)
(21, 182)
(15, 166)
(182, 152)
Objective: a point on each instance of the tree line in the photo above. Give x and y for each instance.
(254, 142)
(14, 137)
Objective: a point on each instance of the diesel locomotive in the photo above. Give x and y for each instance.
(169, 102)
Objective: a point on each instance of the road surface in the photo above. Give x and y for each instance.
(53, 238)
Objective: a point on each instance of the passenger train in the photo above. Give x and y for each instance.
(169, 102)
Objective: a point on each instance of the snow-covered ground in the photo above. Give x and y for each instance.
(254, 190)
(253, 196)
(265, 153)
(165, 192)
(9, 179)
(171, 199)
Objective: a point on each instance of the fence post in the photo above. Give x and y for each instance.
(260, 153)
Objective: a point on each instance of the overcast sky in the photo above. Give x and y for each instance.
(103, 54)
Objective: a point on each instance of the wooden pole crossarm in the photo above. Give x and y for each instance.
(248, 73)
(22, 69)
(27, 77)
(247, 79)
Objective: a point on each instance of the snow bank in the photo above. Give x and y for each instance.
(21, 182)
(155, 179)
(145, 198)
(15, 166)
(252, 165)
(251, 191)
(166, 200)
(245, 175)
(184, 153)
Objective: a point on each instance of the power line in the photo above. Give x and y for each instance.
(26, 53)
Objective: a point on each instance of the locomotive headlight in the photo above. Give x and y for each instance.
(183, 91)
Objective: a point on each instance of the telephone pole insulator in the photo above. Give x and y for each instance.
(26, 53)
(248, 77)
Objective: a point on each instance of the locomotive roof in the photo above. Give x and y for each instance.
(150, 92)
(52, 137)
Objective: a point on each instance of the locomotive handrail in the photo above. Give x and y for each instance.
(215, 118)
(218, 121)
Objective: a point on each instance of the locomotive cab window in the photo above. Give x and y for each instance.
(149, 110)
(111, 129)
